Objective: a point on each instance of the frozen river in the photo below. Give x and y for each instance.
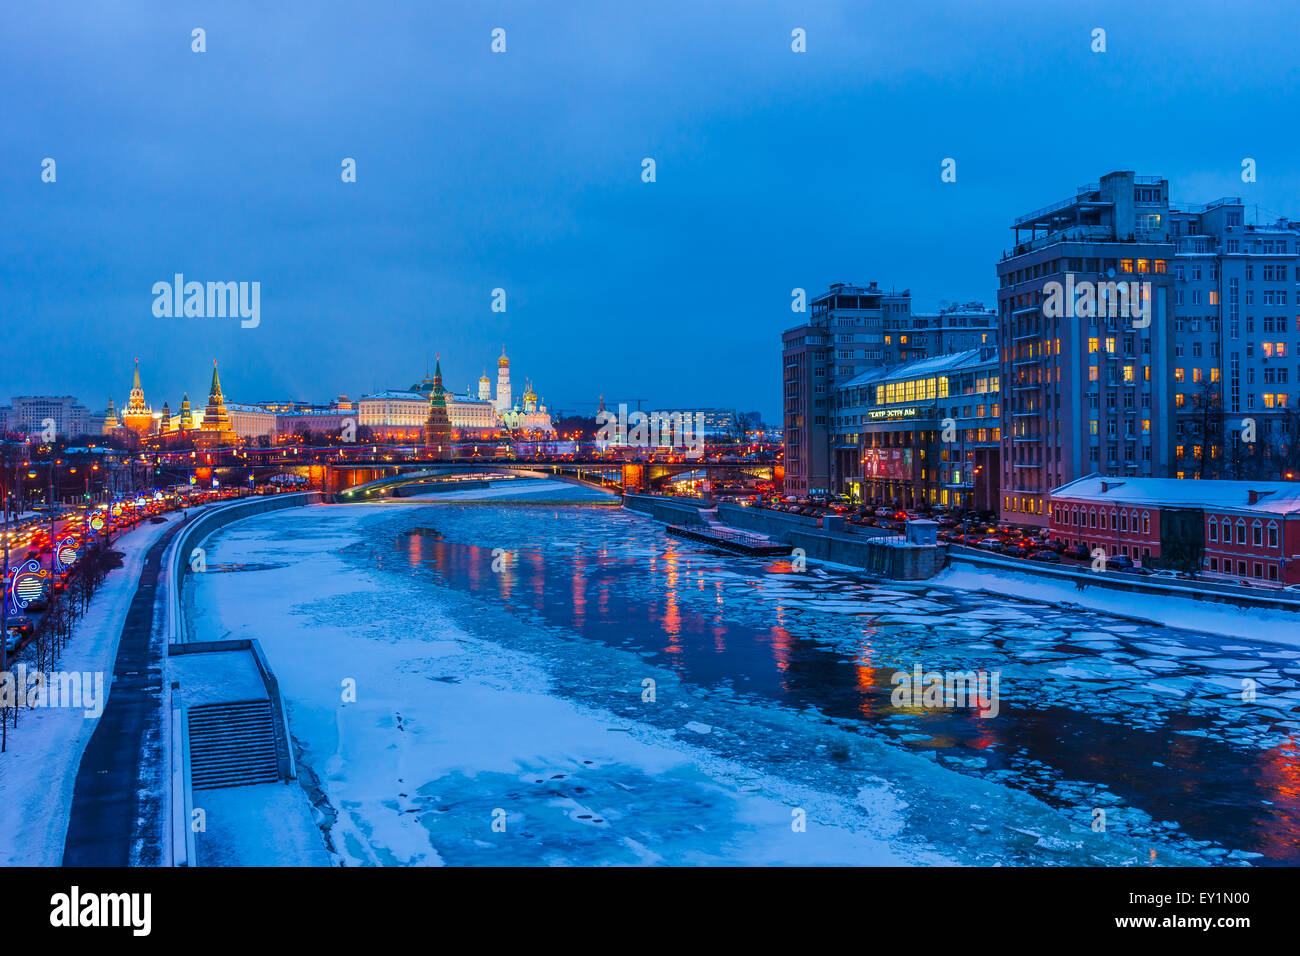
(603, 693)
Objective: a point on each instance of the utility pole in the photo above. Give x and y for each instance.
(4, 601)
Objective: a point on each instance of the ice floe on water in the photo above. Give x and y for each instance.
(769, 735)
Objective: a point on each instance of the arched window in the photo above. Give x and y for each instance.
(1213, 528)
(1146, 522)
(1272, 534)
(1241, 532)
(1257, 533)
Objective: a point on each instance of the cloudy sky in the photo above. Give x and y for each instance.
(522, 171)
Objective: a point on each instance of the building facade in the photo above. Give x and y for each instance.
(921, 434)
(958, 328)
(843, 338)
(1237, 330)
(252, 421)
(27, 415)
(1086, 321)
(1227, 529)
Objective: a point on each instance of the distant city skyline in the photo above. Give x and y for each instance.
(523, 171)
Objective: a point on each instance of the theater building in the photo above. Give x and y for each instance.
(920, 434)
(1229, 529)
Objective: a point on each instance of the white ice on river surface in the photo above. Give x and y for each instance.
(450, 732)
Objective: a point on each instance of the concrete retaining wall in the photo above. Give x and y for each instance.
(869, 549)
(1083, 578)
(683, 511)
(208, 522)
(777, 524)
(889, 556)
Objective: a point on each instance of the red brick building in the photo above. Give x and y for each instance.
(1236, 529)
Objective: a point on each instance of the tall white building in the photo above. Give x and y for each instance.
(503, 402)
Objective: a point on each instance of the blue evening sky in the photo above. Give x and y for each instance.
(523, 171)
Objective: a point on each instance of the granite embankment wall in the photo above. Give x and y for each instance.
(818, 539)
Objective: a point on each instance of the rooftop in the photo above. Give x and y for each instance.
(1268, 497)
(921, 368)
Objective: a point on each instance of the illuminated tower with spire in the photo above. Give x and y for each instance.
(503, 403)
(111, 424)
(437, 426)
(217, 428)
(187, 414)
(485, 388)
(165, 423)
(137, 416)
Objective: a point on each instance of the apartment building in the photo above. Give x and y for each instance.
(843, 337)
(1086, 333)
(27, 415)
(1237, 331)
(957, 328)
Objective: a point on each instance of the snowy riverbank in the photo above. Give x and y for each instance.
(39, 770)
(1279, 627)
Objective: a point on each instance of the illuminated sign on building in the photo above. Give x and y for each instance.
(892, 414)
(894, 464)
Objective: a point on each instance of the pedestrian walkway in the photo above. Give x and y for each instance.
(118, 815)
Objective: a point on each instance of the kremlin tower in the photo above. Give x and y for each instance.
(111, 424)
(187, 415)
(137, 416)
(437, 427)
(217, 428)
(503, 403)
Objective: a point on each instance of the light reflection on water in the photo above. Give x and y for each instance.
(1086, 698)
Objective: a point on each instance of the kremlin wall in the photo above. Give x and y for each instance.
(426, 412)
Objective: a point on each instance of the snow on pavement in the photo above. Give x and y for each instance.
(39, 771)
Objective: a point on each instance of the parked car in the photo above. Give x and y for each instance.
(1047, 557)
(1120, 562)
(993, 544)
